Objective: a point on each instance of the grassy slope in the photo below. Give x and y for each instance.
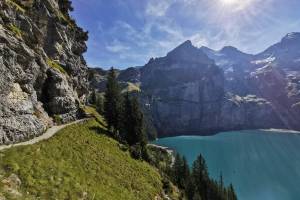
(79, 163)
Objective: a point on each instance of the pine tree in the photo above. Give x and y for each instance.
(99, 104)
(139, 121)
(181, 172)
(126, 127)
(178, 163)
(200, 177)
(133, 122)
(231, 193)
(93, 97)
(185, 172)
(112, 103)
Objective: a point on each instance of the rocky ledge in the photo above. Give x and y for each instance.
(43, 76)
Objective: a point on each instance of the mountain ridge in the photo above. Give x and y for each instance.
(186, 93)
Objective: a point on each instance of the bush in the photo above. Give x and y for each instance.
(16, 5)
(58, 119)
(136, 151)
(17, 32)
(55, 65)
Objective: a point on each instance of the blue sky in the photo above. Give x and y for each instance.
(125, 33)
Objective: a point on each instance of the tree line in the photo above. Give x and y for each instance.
(196, 183)
(123, 115)
(125, 122)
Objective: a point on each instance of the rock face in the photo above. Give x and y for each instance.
(187, 95)
(202, 91)
(42, 71)
(272, 75)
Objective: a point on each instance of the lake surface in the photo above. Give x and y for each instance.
(262, 165)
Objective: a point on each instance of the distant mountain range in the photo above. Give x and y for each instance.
(202, 91)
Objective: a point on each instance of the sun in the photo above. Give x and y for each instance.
(236, 5)
(230, 2)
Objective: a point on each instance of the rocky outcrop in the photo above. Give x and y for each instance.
(201, 91)
(42, 71)
(187, 94)
(272, 75)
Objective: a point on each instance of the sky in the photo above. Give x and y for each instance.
(127, 33)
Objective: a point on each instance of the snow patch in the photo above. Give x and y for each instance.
(264, 61)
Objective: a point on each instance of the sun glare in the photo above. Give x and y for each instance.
(236, 5)
(229, 2)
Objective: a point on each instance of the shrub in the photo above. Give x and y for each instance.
(58, 119)
(55, 65)
(16, 5)
(17, 32)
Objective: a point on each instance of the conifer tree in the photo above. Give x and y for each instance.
(185, 172)
(178, 163)
(113, 101)
(93, 97)
(99, 104)
(126, 127)
(133, 122)
(200, 177)
(231, 193)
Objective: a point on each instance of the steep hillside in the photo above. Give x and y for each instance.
(79, 162)
(42, 71)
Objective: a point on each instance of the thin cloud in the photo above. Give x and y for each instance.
(151, 28)
(117, 47)
(158, 7)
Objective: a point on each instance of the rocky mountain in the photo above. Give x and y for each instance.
(187, 94)
(229, 58)
(201, 91)
(272, 75)
(43, 75)
(284, 54)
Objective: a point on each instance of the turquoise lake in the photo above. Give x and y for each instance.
(262, 165)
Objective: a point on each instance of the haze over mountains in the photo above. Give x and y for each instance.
(201, 91)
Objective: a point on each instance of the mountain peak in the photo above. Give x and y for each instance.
(185, 45)
(186, 51)
(292, 36)
(187, 42)
(229, 49)
(291, 39)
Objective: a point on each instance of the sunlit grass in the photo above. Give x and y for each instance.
(16, 5)
(55, 65)
(13, 28)
(80, 162)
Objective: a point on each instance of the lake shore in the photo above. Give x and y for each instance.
(280, 130)
(167, 149)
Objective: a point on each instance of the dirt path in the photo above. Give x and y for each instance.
(48, 134)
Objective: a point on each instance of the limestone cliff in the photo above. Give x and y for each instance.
(42, 72)
(187, 95)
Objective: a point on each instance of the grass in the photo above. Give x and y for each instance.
(13, 28)
(89, 110)
(79, 162)
(16, 6)
(65, 18)
(55, 65)
(131, 87)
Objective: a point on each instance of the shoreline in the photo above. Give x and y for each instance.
(170, 152)
(283, 131)
(280, 130)
(167, 149)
